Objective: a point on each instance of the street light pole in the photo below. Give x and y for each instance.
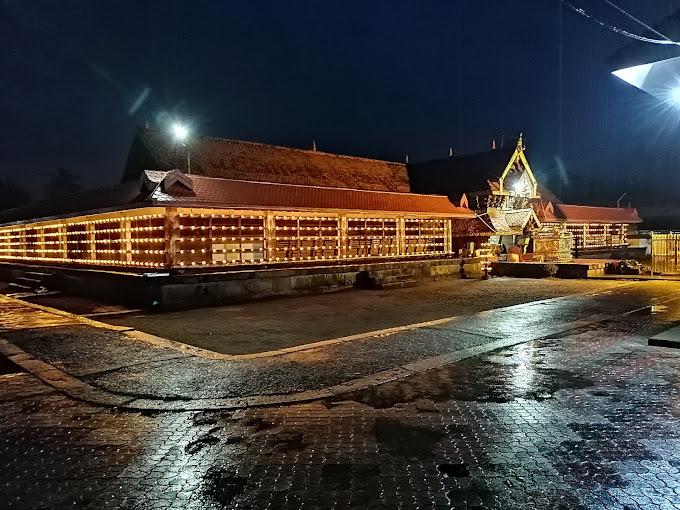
(619, 200)
(181, 133)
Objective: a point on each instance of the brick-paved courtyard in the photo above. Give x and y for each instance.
(584, 416)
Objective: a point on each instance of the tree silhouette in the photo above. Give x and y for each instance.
(63, 181)
(13, 194)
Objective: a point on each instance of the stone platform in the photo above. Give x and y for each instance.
(577, 269)
(195, 288)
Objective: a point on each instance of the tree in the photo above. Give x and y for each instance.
(63, 181)
(13, 194)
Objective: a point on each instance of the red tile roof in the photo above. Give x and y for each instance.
(231, 193)
(249, 161)
(465, 227)
(587, 214)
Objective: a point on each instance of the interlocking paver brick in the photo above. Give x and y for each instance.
(586, 418)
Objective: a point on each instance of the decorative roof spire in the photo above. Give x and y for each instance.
(314, 145)
(520, 142)
(407, 158)
(450, 151)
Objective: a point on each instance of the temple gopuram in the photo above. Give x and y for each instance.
(501, 188)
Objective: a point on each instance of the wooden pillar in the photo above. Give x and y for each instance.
(62, 239)
(91, 242)
(126, 238)
(269, 235)
(448, 236)
(22, 243)
(343, 237)
(401, 236)
(171, 233)
(585, 236)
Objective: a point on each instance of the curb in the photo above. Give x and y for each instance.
(79, 390)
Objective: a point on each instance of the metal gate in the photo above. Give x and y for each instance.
(665, 252)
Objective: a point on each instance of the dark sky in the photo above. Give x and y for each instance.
(379, 79)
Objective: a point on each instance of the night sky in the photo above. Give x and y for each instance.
(379, 79)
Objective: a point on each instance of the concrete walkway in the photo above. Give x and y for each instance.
(111, 365)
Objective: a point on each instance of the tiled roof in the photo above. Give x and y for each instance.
(456, 175)
(464, 227)
(547, 195)
(231, 193)
(588, 214)
(232, 159)
(510, 222)
(102, 199)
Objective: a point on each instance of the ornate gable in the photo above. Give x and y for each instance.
(517, 178)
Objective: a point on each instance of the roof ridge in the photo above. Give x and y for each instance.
(306, 151)
(597, 206)
(321, 187)
(467, 154)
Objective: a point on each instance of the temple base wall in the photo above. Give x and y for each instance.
(166, 291)
(568, 270)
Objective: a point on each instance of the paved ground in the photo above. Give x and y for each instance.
(279, 323)
(576, 411)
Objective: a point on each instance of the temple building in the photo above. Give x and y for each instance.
(242, 204)
(500, 186)
(592, 228)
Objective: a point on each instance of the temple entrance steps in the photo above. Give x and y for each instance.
(31, 282)
(385, 279)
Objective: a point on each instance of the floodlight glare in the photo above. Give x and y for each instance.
(660, 79)
(675, 95)
(180, 131)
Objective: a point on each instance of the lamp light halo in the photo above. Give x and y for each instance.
(179, 131)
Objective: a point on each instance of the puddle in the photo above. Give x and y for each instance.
(476, 380)
(453, 470)
(206, 418)
(407, 440)
(292, 443)
(7, 367)
(222, 486)
(259, 424)
(197, 445)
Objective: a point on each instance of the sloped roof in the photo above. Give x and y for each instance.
(547, 195)
(500, 225)
(101, 199)
(232, 193)
(464, 227)
(233, 159)
(588, 214)
(511, 221)
(456, 175)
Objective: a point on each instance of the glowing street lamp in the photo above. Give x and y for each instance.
(181, 134)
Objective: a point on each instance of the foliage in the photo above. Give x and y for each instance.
(13, 194)
(63, 181)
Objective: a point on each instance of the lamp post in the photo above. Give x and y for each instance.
(181, 133)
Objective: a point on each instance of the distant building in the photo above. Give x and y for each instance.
(500, 186)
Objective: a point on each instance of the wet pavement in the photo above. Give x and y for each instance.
(575, 415)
